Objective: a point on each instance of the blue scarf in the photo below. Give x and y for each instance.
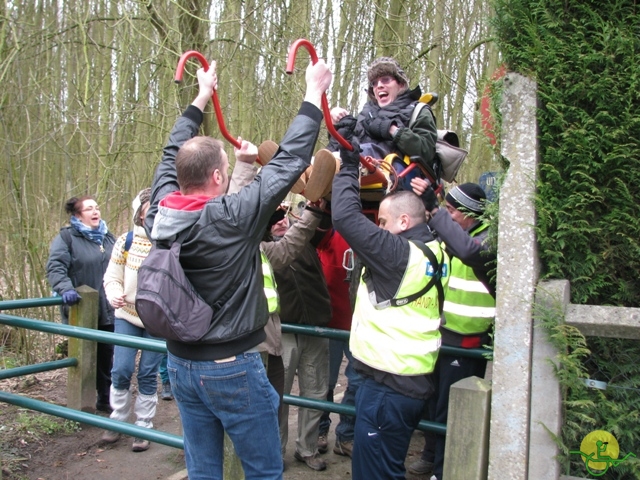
(96, 236)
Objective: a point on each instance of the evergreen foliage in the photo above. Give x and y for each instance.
(584, 57)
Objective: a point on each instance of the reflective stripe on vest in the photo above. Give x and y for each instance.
(269, 285)
(469, 308)
(402, 340)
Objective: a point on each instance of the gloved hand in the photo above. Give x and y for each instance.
(70, 297)
(350, 158)
(378, 127)
(346, 126)
(429, 199)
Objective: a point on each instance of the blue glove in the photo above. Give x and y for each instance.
(70, 297)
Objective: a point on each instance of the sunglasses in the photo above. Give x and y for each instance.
(386, 80)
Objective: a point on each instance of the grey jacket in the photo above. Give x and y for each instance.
(81, 264)
(220, 254)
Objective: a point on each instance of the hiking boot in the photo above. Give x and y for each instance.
(104, 407)
(312, 461)
(166, 393)
(139, 445)
(321, 177)
(420, 467)
(344, 448)
(323, 446)
(109, 436)
(301, 183)
(266, 151)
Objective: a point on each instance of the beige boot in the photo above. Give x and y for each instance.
(266, 151)
(321, 177)
(301, 183)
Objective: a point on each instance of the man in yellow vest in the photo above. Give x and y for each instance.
(394, 333)
(469, 307)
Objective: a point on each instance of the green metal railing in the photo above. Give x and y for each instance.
(107, 423)
(156, 346)
(344, 335)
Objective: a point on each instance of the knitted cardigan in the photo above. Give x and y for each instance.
(122, 275)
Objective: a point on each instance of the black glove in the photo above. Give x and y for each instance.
(378, 127)
(346, 126)
(70, 297)
(429, 199)
(350, 158)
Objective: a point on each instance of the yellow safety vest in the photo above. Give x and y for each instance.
(270, 290)
(469, 308)
(402, 340)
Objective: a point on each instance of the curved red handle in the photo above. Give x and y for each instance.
(214, 97)
(291, 60)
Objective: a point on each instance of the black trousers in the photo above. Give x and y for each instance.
(103, 367)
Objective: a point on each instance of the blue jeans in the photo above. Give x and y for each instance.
(384, 425)
(337, 348)
(124, 362)
(233, 396)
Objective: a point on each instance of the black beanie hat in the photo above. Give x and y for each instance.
(278, 215)
(469, 196)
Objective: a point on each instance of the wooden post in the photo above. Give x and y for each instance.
(81, 382)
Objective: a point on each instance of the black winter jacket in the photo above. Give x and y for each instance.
(220, 254)
(304, 296)
(417, 141)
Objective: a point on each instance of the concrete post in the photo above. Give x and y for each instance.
(517, 276)
(466, 453)
(546, 395)
(81, 380)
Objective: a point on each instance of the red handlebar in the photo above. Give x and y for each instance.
(214, 97)
(291, 60)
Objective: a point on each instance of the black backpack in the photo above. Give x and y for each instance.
(166, 302)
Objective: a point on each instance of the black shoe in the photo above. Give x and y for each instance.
(104, 407)
(166, 393)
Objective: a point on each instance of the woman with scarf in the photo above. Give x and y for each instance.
(79, 255)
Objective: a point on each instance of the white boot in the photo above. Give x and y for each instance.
(145, 409)
(120, 401)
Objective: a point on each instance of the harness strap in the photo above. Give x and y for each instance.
(436, 281)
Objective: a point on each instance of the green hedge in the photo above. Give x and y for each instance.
(585, 57)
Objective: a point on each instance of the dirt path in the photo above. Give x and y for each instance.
(81, 454)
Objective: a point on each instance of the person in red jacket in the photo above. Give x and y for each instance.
(331, 251)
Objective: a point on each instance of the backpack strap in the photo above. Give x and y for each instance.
(423, 102)
(65, 235)
(416, 111)
(127, 244)
(399, 302)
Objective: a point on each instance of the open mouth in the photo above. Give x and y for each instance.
(382, 95)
